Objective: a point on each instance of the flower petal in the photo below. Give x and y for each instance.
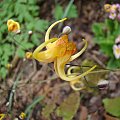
(44, 56)
(60, 69)
(13, 26)
(79, 53)
(74, 83)
(50, 28)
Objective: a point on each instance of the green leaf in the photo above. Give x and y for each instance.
(113, 63)
(35, 39)
(48, 110)
(58, 12)
(1, 51)
(69, 106)
(110, 25)
(112, 106)
(116, 24)
(41, 25)
(92, 79)
(29, 109)
(72, 13)
(106, 48)
(21, 52)
(3, 72)
(5, 59)
(27, 45)
(97, 29)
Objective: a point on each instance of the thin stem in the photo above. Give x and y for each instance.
(12, 92)
(86, 66)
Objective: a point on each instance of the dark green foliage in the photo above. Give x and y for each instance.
(105, 34)
(25, 12)
(112, 106)
(70, 11)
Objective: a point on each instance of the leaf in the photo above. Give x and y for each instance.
(69, 106)
(110, 25)
(106, 48)
(48, 110)
(97, 29)
(33, 104)
(108, 117)
(58, 12)
(113, 63)
(29, 109)
(72, 13)
(35, 39)
(3, 72)
(27, 45)
(116, 24)
(112, 106)
(92, 79)
(41, 25)
(20, 52)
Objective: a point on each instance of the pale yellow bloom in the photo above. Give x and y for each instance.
(110, 8)
(60, 51)
(13, 26)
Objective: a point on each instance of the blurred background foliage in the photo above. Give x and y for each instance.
(105, 34)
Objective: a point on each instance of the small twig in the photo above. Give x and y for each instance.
(33, 73)
(40, 82)
(17, 70)
(10, 101)
(29, 109)
(98, 61)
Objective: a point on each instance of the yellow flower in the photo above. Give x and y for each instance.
(110, 8)
(13, 26)
(9, 66)
(60, 51)
(2, 116)
(28, 55)
(107, 7)
(22, 116)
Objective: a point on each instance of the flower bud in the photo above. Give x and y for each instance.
(28, 55)
(9, 66)
(66, 30)
(102, 84)
(18, 32)
(22, 116)
(30, 32)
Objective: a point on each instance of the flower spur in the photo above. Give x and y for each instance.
(60, 51)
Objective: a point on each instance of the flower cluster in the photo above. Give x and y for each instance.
(113, 10)
(60, 51)
(116, 48)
